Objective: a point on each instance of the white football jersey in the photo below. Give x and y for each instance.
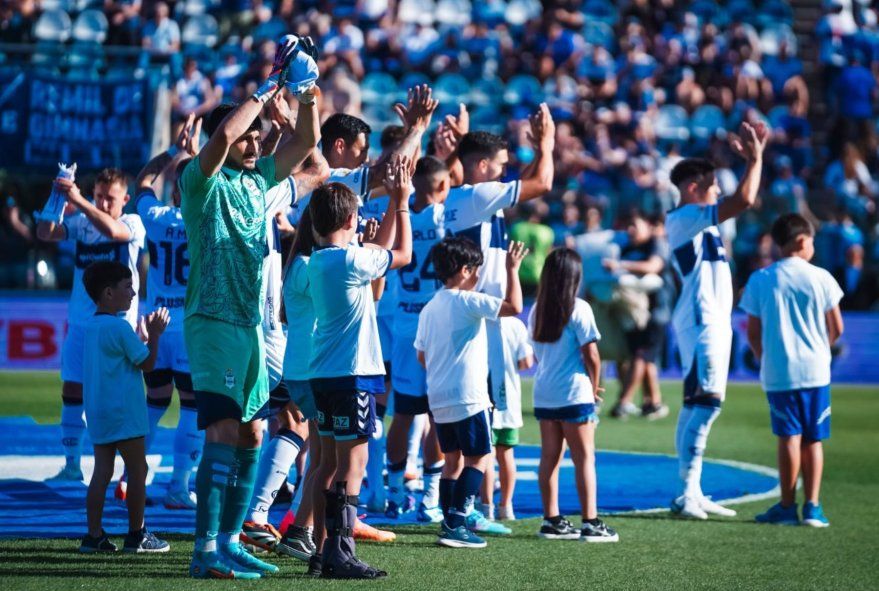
(700, 262)
(417, 282)
(356, 179)
(278, 199)
(92, 246)
(169, 257)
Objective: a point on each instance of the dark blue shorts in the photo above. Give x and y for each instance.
(345, 414)
(212, 408)
(165, 377)
(404, 404)
(472, 436)
(575, 413)
(803, 412)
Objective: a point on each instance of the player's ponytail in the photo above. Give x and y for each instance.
(556, 294)
(304, 243)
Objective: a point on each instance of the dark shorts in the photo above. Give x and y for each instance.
(278, 397)
(646, 343)
(404, 404)
(575, 413)
(165, 377)
(345, 414)
(212, 408)
(803, 412)
(471, 436)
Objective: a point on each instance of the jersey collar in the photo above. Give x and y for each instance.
(231, 173)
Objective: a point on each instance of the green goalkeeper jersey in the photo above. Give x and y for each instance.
(225, 221)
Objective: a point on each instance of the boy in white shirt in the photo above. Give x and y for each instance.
(793, 319)
(114, 401)
(452, 345)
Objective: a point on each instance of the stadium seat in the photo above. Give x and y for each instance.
(86, 59)
(417, 11)
(772, 36)
(90, 26)
(601, 11)
(80, 5)
(520, 12)
(671, 123)
(378, 88)
(53, 26)
(412, 79)
(454, 13)
(451, 88)
(200, 31)
(487, 92)
(51, 5)
(774, 12)
(523, 89)
(705, 122)
(740, 10)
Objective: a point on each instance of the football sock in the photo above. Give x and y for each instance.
(415, 434)
(274, 466)
(72, 428)
(239, 489)
(432, 476)
(155, 411)
(210, 488)
(188, 442)
(446, 492)
(693, 442)
(375, 464)
(396, 474)
(683, 419)
(466, 489)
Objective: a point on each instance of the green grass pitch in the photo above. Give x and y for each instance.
(655, 551)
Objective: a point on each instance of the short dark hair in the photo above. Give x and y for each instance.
(346, 127)
(454, 253)
(429, 166)
(690, 168)
(103, 274)
(391, 136)
(220, 112)
(111, 176)
(788, 227)
(331, 205)
(481, 144)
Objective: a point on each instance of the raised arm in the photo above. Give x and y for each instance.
(103, 222)
(750, 145)
(314, 172)
(835, 327)
(512, 305)
(186, 146)
(398, 181)
(538, 176)
(755, 335)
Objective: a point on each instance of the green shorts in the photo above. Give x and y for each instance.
(228, 359)
(505, 437)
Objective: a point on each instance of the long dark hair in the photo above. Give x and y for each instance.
(303, 244)
(556, 294)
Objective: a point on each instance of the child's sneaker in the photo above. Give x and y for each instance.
(180, 499)
(459, 537)
(297, 542)
(90, 545)
(263, 536)
(477, 522)
(654, 412)
(559, 529)
(394, 510)
(67, 474)
(144, 542)
(688, 507)
(713, 508)
(813, 515)
(429, 514)
(367, 533)
(505, 513)
(315, 566)
(210, 565)
(598, 531)
(624, 411)
(778, 515)
(237, 555)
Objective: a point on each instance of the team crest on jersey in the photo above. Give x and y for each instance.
(230, 379)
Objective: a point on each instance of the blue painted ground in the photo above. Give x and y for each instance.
(30, 507)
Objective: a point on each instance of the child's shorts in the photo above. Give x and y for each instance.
(406, 404)
(344, 412)
(508, 437)
(805, 412)
(470, 436)
(575, 413)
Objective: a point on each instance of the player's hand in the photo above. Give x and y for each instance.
(459, 125)
(294, 411)
(279, 112)
(516, 251)
(751, 141)
(370, 230)
(70, 191)
(542, 133)
(301, 76)
(142, 331)
(398, 178)
(189, 136)
(278, 75)
(610, 264)
(157, 322)
(445, 142)
(597, 393)
(419, 110)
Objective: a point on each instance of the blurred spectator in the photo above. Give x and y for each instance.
(161, 38)
(193, 93)
(568, 226)
(538, 238)
(17, 18)
(16, 237)
(855, 90)
(124, 18)
(850, 179)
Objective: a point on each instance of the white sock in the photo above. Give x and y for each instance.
(683, 419)
(274, 465)
(415, 435)
(432, 475)
(154, 415)
(693, 442)
(72, 428)
(188, 443)
(206, 544)
(375, 466)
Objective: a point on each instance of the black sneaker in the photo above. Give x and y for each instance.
(598, 531)
(144, 542)
(298, 543)
(90, 545)
(654, 412)
(314, 566)
(560, 529)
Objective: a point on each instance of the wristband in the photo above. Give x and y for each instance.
(173, 151)
(402, 211)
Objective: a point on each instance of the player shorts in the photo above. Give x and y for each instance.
(386, 336)
(230, 361)
(705, 354)
(344, 414)
(72, 354)
(404, 404)
(805, 411)
(172, 363)
(276, 345)
(646, 343)
(407, 374)
(574, 413)
(505, 437)
(470, 436)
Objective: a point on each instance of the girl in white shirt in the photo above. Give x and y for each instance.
(566, 386)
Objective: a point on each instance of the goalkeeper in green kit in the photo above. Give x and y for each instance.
(223, 207)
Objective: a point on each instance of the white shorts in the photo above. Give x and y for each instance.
(496, 364)
(705, 352)
(386, 336)
(407, 374)
(172, 352)
(72, 354)
(276, 345)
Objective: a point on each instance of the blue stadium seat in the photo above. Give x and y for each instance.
(200, 31)
(451, 88)
(487, 92)
(775, 12)
(601, 11)
(740, 10)
(90, 27)
(412, 79)
(53, 26)
(378, 88)
(52, 5)
(520, 12)
(453, 13)
(772, 36)
(672, 123)
(523, 88)
(86, 59)
(705, 122)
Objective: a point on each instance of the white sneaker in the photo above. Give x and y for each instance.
(713, 508)
(180, 499)
(67, 474)
(688, 507)
(505, 513)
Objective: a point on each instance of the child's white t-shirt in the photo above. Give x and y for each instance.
(299, 311)
(112, 384)
(451, 333)
(516, 348)
(561, 379)
(791, 298)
